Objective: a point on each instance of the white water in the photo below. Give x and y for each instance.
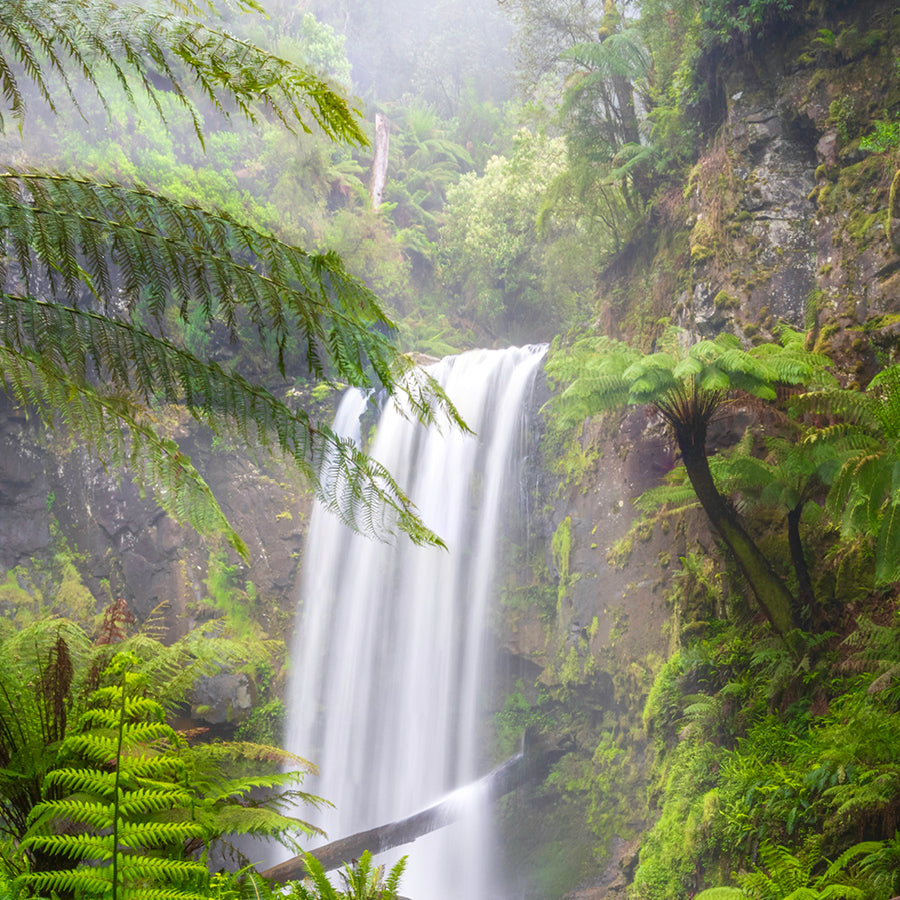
(389, 660)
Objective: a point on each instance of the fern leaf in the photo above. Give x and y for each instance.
(132, 42)
(148, 835)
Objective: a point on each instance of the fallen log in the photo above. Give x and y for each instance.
(506, 777)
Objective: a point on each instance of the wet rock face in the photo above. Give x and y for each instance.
(54, 493)
(790, 218)
(24, 492)
(755, 193)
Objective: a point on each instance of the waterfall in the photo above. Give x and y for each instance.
(389, 660)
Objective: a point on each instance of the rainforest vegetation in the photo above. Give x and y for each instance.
(188, 222)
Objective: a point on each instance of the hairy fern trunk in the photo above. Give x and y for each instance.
(773, 596)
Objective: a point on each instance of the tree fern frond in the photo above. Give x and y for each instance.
(77, 781)
(91, 882)
(150, 835)
(261, 822)
(143, 800)
(142, 45)
(72, 846)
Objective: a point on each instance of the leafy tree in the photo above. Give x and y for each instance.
(94, 269)
(687, 386)
(507, 273)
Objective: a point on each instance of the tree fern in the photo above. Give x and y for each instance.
(135, 804)
(83, 257)
(129, 775)
(48, 670)
(687, 384)
(864, 497)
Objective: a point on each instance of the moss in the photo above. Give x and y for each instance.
(561, 548)
(862, 227)
(893, 222)
(18, 594)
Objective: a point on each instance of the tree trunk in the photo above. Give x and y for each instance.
(505, 778)
(798, 557)
(774, 598)
(380, 162)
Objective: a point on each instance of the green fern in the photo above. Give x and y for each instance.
(362, 881)
(135, 804)
(784, 876)
(47, 671)
(143, 46)
(864, 497)
(129, 779)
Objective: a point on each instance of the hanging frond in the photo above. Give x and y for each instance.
(148, 49)
(118, 245)
(81, 255)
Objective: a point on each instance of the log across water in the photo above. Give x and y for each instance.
(506, 777)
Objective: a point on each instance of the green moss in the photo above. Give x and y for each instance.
(561, 550)
(893, 221)
(723, 301)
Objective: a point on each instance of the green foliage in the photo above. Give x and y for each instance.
(884, 138)
(494, 256)
(47, 672)
(120, 802)
(84, 37)
(770, 769)
(362, 881)
(865, 495)
(784, 875)
(606, 374)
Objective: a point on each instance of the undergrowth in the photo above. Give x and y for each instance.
(765, 766)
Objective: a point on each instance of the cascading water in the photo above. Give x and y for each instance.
(389, 660)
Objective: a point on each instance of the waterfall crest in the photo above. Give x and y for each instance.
(388, 666)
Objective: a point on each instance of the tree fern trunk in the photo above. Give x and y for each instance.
(774, 598)
(798, 558)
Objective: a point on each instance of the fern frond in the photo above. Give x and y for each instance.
(72, 846)
(235, 820)
(621, 53)
(92, 882)
(87, 781)
(142, 46)
(149, 835)
(144, 800)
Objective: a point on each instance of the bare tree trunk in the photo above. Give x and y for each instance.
(380, 162)
(506, 777)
